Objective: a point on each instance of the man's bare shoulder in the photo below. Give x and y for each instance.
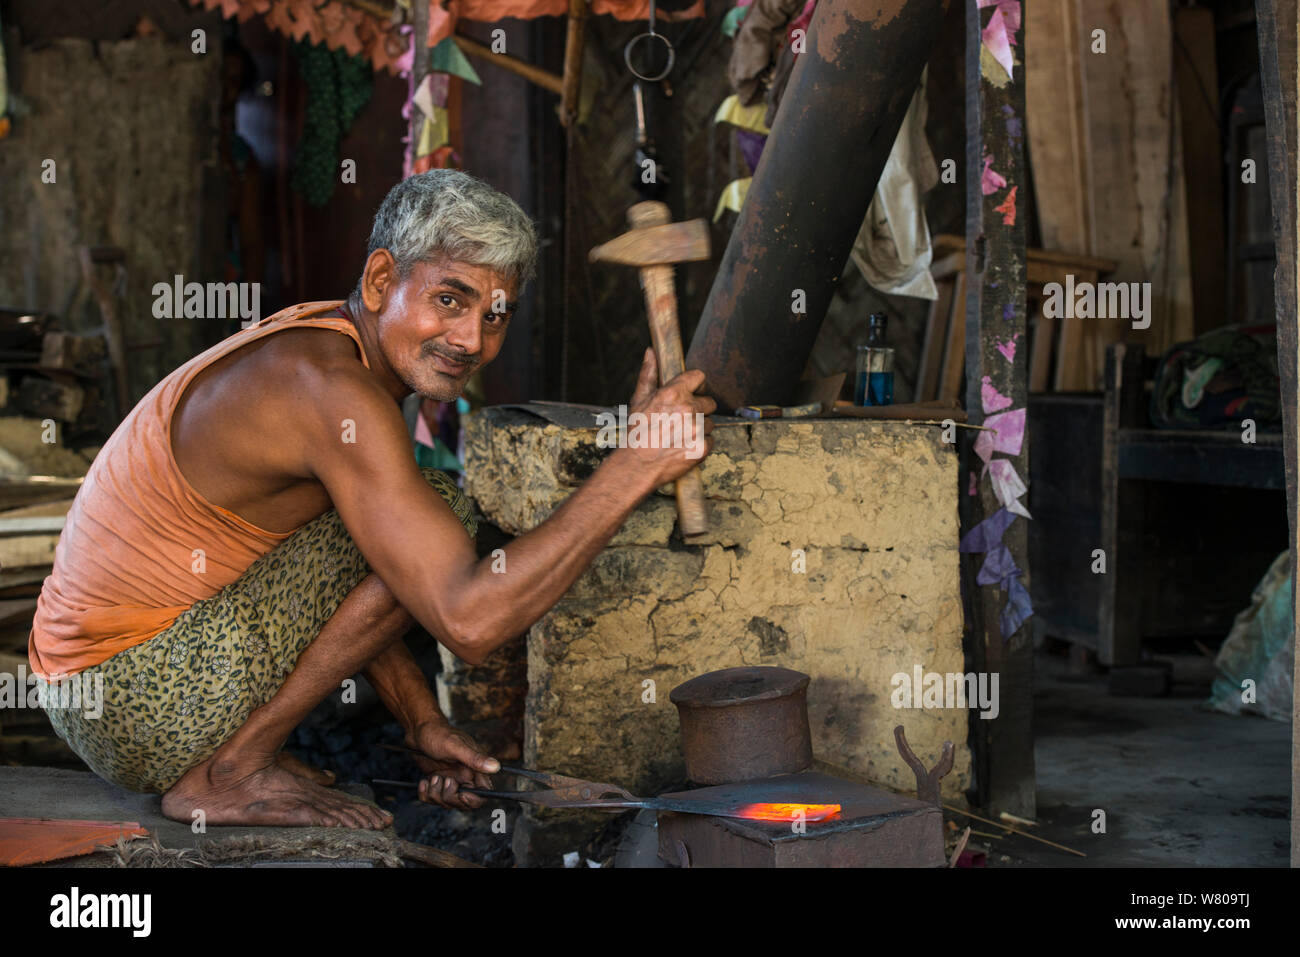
(304, 352)
(318, 374)
(280, 395)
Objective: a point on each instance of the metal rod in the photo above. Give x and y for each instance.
(1008, 827)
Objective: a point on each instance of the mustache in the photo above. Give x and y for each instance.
(468, 359)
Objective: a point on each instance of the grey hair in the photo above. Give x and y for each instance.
(447, 213)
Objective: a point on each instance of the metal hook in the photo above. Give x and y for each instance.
(650, 34)
(655, 78)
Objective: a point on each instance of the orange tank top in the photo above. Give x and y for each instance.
(123, 568)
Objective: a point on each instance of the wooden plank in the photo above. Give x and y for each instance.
(27, 551)
(954, 350)
(1119, 618)
(1044, 337)
(59, 507)
(16, 609)
(1279, 46)
(22, 582)
(1056, 127)
(936, 334)
(1164, 456)
(31, 489)
(1197, 78)
(1101, 133)
(32, 525)
(994, 313)
(1135, 174)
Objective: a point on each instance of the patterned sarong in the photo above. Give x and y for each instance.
(171, 701)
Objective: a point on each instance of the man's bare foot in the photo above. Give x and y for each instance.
(295, 765)
(231, 789)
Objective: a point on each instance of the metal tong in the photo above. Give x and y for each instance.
(562, 791)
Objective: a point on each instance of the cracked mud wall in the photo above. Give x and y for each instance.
(873, 506)
(131, 127)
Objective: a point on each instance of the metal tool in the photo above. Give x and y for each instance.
(927, 782)
(650, 177)
(654, 243)
(756, 412)
(561, 791)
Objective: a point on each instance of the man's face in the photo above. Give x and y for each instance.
(441, 323)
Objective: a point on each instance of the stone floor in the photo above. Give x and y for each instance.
(1180, 787)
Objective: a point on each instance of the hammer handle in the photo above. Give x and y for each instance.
(666, 337)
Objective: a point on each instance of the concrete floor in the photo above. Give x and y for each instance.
(1180, 786)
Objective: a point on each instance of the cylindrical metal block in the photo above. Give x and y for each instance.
(740, 724)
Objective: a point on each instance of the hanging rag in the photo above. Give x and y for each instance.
(760, 35)
(893, 248)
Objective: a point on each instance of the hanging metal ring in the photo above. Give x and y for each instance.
(672, 56)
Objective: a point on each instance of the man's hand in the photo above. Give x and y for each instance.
(677, 398)
(451, 759)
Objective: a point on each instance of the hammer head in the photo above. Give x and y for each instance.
(657, 242)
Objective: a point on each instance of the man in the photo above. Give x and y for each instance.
(256, 530)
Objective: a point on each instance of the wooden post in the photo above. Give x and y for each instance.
(1119, 615)
(419, 70)
(572, 83)
(995, 316)
(1278, 48)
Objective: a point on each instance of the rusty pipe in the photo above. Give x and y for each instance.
(841, 112)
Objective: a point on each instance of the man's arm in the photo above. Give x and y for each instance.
(402, 687)
(418, 548)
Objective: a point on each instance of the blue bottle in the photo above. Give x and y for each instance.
(875, 373)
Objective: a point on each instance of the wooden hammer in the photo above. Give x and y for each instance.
(654, 243)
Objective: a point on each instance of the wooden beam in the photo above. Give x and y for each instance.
(573, 50)
(419, 70)
(90, 257)
(543, 78)
(1278, 48)
(995, 314)
(1057, 127)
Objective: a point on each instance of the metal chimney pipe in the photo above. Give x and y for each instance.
(837, 123)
